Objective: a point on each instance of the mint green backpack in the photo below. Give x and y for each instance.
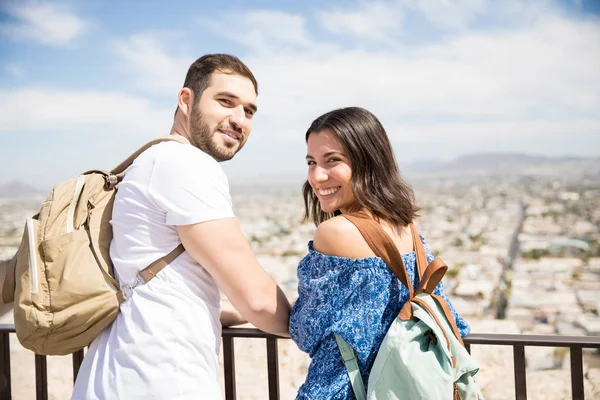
(422, 355)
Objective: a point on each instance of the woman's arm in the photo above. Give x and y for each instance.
(463, 326)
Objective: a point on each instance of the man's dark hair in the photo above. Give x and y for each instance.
(200, 72)
(376, 181)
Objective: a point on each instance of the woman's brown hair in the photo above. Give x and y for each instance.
(376, 181)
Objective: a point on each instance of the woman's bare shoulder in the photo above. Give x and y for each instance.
(340, 237)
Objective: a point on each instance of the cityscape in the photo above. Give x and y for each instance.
(523, 252)
(491, 107)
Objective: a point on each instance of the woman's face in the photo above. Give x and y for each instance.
(329, 172)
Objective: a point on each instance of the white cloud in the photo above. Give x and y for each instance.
(547, 70)
(70, 131)
(533, 83)
(542, 76)
(52, 110)
(262, 30)
(372, 20)
(49, 24)
(384, 20)
(450, 14)
(160, 68)
(153, 70)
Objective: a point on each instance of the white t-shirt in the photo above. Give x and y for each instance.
(164, 343)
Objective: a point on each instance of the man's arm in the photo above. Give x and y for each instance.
(221, 248)
(229, 315)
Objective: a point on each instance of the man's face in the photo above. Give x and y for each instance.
(221, 121)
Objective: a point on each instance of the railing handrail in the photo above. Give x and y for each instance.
(588, 342)
(592, 342)
(517, 341)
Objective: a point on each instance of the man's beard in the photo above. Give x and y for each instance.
(202, 137)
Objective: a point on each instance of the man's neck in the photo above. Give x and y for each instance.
(180, 126)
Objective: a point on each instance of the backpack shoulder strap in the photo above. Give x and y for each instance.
(115, 176)
(419, 249)
(151, 270)
(349, 358)
(148, 273)
(431, 276)
(119, 170)
(382, 245)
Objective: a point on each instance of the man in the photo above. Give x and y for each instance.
(164, 343)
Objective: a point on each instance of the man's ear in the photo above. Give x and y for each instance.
(185, 99)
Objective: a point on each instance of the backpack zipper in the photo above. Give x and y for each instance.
(33, 268)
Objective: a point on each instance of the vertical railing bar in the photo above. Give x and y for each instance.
(577, 373)
(520, 376)
(273, 368)
(229, 367)
(5, 385)
(41, 378)
(77, 360)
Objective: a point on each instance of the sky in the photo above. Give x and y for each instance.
(84, 83)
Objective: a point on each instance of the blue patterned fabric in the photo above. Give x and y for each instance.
(355, 298)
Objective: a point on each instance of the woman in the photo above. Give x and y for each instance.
(343, 287)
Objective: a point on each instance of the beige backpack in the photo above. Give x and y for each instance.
(61, 279)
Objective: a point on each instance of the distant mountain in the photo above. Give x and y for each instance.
(501, 164)
(16, 189)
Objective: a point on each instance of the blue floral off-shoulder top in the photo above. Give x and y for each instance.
(355, 298)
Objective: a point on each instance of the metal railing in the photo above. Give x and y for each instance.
(517, 342)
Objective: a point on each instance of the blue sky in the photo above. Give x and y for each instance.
(84, 83)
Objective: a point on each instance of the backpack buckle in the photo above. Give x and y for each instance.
(347, 357)
(128, 289)
(111, 181)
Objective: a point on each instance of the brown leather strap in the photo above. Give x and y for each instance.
(151, 270)
(432, 276)
(119, 170)
(382, 245)
(444, 304)
(421, 255)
